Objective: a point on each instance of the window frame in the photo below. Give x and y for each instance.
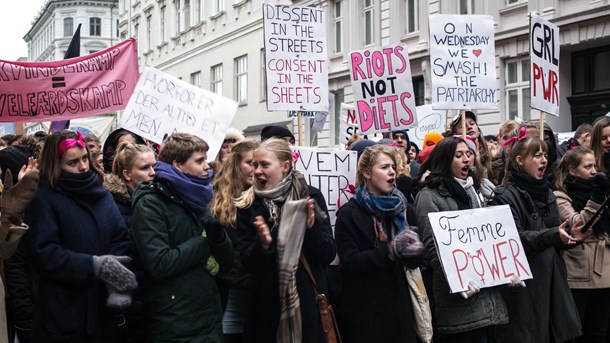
(216, 83)
(415, 17)
(241, 80)
(69, 21)
(337, 43)
(368, 9)
(95, 23)
(521, 86)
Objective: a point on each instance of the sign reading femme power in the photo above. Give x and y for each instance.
(84, 86)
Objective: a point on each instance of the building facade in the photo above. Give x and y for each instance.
(53, 28)
(218, 45)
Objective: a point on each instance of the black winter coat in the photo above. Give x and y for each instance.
(319, 248)
(376, 304)
(544, 311)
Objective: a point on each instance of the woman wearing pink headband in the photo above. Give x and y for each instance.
(77, 244)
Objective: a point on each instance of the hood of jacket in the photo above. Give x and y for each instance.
(118, 189)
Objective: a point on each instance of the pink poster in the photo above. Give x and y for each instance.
(84, 86)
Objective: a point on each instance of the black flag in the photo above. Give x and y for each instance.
(73, 51)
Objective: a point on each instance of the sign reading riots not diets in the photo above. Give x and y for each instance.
(295, 58)
(162, 105)
(544, 56)
(463, 60)
(480, 245)
(383, 89)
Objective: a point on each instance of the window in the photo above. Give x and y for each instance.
(162, 25)
(196, 79)
(95, 26)
(117, 28)
(197, 10)
(241, 80)
(219, 5)
(217, 79)
(178, 14)
(187, 14)
(68, 27)
(148, 35)
(419, 90)
(339, 98)
(338, 27)
(518, 89)
(412, 15)
(509, 2)
(466, 7)
(263, 77)
(369, 25)
(589, 70)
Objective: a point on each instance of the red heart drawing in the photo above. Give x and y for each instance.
(477, 52)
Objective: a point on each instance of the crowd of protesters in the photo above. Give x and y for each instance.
(137, 242)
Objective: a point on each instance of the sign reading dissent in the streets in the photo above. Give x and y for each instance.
(162, 104)
(463, 62)
(480, 245)
(74, 88)
(383, 89)
(544, 57)
(295, 58)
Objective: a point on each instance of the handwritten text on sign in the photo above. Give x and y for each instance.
(331, 171)
(544, 55)
(162, 104)
(74, 88)
(480, 245)
(383, 89)
(295, 58)
(463, 58)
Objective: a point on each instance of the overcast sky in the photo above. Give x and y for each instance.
(15, 21)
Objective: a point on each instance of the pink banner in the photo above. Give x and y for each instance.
(74, 88)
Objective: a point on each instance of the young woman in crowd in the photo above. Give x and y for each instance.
(236, 176)
(77, 242)
(414, 164)
(180, 246)
(115, 139)
(265, 216)
(579, 194)
(375, 244)
(600, 143)
(544, 311)
(133, 163)
(231, 137)
(450, 186)
(473, 130)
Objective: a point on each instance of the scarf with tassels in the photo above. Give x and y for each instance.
(287, 205)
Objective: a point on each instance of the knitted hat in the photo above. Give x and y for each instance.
(471, 143)
(431, 138)
(359, 146)
(233, 135)
(276, 131)
(14, 157)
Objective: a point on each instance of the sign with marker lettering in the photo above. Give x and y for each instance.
(383, 89)
(544, 57)
(162, 104)
(78, 87)
(349, 125)
(480, 245)
(295, 58)
(428, 120)
(463, 62)
(329, 170)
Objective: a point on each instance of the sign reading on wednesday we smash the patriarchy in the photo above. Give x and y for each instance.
(463, 60)
(295, 58)
(480, 245)
(84, 86)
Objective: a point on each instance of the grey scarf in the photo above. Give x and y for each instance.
(472, 194)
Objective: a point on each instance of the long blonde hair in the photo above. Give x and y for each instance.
(228, 184)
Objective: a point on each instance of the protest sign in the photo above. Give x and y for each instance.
(463, 59)
(329, 170)
(162, 104)
(84, 86)
(480, 245)
(348, 125)
(295, 58)
(383, 89)
(544, 57)
(99, 125)
(428, 120)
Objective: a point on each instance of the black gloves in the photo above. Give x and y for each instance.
(602, 186)
(213, 230)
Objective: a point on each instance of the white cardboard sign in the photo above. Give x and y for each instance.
(480, 245)
(544, 57)
(349, 125)
(162, 105)
(463, 62)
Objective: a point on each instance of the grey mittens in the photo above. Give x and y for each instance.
(119, 280)
(405, 245)
(109, 269)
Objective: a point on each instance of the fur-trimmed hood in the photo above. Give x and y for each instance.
(118, 189)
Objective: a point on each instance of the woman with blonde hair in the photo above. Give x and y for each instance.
(236, 177)
(283, 227)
